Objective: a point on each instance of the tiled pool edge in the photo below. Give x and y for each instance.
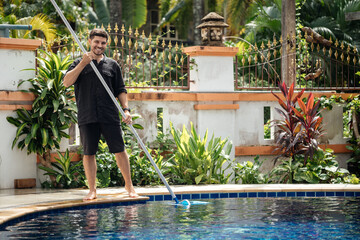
(212, 195)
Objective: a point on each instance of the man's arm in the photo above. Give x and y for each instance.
(71, 76)
(124, 103)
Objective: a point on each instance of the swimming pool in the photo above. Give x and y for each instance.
(231, 218)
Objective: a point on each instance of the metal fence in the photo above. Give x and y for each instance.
(321, 64)
(146, 61)
(149, 62)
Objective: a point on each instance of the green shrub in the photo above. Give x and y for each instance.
(249, 172)
(65, 173)
(197, 162)
(322, 168)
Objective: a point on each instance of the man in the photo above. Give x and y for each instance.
(97, 114)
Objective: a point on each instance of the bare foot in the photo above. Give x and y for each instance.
(131, 192)
(91, 196)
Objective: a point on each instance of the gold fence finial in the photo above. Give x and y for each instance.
(269, 44)
(109, 28)
(143, 34)
(342, 45)
(116, 29)
(157, 40)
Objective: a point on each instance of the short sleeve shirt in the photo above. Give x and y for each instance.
(93, 102)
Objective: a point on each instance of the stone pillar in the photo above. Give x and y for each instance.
(15, 55)
(212, 71)
(211, 68)
(288, 64)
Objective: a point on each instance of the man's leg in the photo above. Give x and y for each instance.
(90, 167)
(123, 163)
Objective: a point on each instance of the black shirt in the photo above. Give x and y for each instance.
(93, 102)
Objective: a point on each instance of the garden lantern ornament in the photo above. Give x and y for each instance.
(212, 29)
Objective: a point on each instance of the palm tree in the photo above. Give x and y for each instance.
(129, 12)
(328, 19)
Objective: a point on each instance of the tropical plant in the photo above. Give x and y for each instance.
(310, 120)
(288, 135)
(108, 173)
(65, 173)
(322, 168)
(249, 172)
(142, 171)
(41, 129)
(328, 19)
(40, 23)
(75, 12)
(196, 161)
(285, 171)
(132, 13)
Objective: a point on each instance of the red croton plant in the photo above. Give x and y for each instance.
(299, 130)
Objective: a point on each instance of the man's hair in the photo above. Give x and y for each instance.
(98, 32)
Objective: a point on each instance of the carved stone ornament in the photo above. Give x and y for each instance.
(212, 29)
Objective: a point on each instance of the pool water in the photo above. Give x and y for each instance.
(231, 218)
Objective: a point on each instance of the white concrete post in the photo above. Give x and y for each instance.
(15, 55)
(212, 70)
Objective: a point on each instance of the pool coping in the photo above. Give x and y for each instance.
(160, 193)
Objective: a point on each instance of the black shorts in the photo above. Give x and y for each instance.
(90, 136)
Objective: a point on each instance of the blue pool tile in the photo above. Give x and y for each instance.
(271, 194)
(291, 194)
(214, 195)
(151, 198)
(281, 194)
(195, 196)
(233, 195)
(159, 197)
(204, 196)
(242, 195)
(320, 194)
(186, 196)
(300, 194)
(261, 194)
(179, 196)
(349, 194)
(310, 194)
(167, 197)
(224, 195)
(252, 194)
(339, 194)
(329, 194)
(357, 194)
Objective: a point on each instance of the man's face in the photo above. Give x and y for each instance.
(98, 45)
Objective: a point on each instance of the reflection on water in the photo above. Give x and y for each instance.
(243, 218)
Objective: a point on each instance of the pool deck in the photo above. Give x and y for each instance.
(15, 203)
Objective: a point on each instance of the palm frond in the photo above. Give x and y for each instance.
(135, 12)
(39, 23)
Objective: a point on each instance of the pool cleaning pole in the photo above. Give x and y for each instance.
(114, 100)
